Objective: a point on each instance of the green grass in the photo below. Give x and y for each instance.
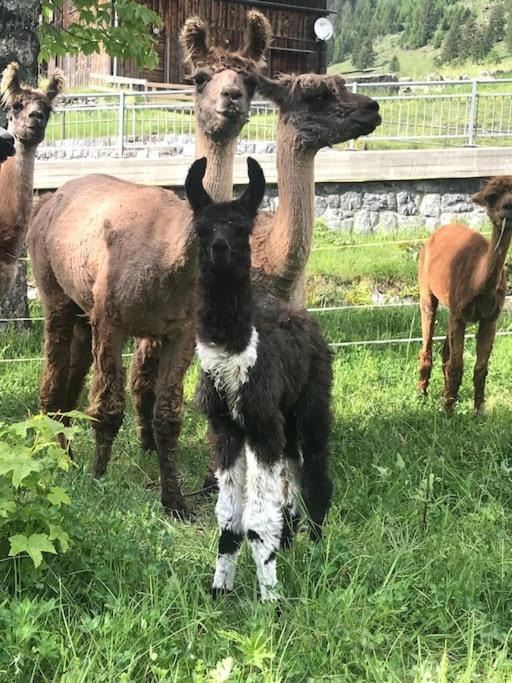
(411, 583)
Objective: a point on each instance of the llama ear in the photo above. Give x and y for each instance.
(194, 189)
(10, 85)
(275, 89)
(194, 40)
(488, 196)
(55, 85)
(259, 37)
(480, 199)
(251, 198)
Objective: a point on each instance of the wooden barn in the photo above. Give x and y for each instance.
(294, 47)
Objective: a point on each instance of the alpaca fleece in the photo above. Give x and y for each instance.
(265, 388)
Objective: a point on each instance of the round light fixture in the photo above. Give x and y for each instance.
(323, 29)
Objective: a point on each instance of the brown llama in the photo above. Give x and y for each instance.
(28, 111)
(465, 272)
(115, 259)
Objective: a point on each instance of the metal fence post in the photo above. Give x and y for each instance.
(352, 143)
(473, 113)
(120, 126)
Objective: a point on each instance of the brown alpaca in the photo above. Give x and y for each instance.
(28, 111)
(465, 272)
(115, 259)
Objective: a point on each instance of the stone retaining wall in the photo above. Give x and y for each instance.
(390, 206)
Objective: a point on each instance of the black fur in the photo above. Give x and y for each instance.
(285, 403)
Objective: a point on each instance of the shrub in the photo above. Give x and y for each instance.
(32, 504)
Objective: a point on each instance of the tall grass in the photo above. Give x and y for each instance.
(412, 580)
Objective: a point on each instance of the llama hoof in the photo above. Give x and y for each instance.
(180, 514)
(220, 592)
(209, 485)
(147, 441)
(479, 411)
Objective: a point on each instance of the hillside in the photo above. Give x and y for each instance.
(422, 38)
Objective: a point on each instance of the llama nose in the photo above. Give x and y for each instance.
(508, 205)
(372, 105)
(219, 247)
(232, 93)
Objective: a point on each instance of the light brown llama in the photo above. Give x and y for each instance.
(465, 272)
(28, 111)
(115, 259)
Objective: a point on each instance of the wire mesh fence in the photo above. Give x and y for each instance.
(122, 123)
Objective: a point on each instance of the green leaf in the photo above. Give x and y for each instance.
(7, 507)
(58, 496)
(57, 533)
(19, 462)
(34, 545)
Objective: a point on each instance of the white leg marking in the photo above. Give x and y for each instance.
(263, 519)
(229, 511)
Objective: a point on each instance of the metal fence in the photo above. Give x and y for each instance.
(126, 124)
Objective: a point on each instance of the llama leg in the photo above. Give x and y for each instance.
(292, 476)
(59, 320)
(454, 367)
(263, 516)
(79, 362)
(106, 395)
(231, 474)
(484, 343)
(210, 479)
(314, 425)
(445, 354)
(176, 355)
(144, 372)
(428, 309)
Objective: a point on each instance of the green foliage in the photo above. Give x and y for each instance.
(364, 54)
(94, 28)
(32, 505)
(394, 65)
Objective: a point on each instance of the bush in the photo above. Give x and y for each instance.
(32, 504)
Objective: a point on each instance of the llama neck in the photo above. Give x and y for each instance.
(289, 242)
(225, 312)
(16, 190)
(492, 266)
(218, 180)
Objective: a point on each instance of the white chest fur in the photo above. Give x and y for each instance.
(229, 371)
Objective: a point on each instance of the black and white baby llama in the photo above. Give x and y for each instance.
(265, 388)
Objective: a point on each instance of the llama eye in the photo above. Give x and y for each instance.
(17, 107)
(201, 78)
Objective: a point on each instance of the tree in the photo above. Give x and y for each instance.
(121, 27)
(452, 44)
(394, 64)
(364, 56)
(496, 26)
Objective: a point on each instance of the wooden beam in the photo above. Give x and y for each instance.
(284, 6)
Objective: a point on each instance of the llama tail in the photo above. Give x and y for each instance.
(314, 426)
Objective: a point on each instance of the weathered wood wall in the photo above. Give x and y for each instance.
(294, 48)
